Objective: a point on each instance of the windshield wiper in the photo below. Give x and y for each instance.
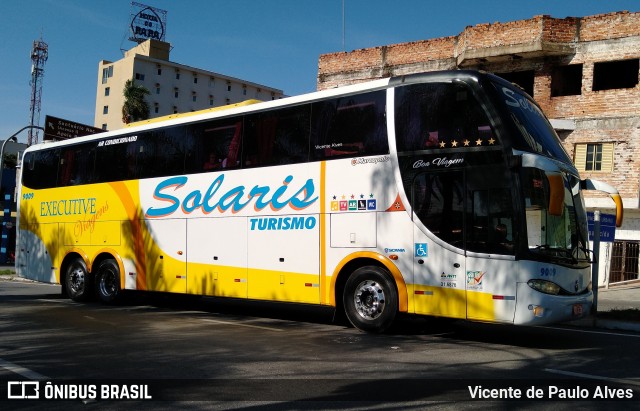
(558, 252)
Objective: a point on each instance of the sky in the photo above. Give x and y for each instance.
(276, 43)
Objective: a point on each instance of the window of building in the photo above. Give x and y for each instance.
(159, 70)
(157, 89)
(105, 110)
(594, 157)
(176, 93)
(624, 261)
(195, 79)
(228, 86)
(212, 81)
(211, 100)
(106, 73)
(104, 126)
(194, 97)
(615, 74)
(177, 74)
(566, 80)
(524, 79)
(140, 76)
(156, 108)
(175, 110)
(107, 90)
(244, 90)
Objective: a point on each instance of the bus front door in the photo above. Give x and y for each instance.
(439, 261)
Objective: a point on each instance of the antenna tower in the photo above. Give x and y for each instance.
(39, 55)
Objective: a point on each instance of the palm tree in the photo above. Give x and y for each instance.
(135, 106)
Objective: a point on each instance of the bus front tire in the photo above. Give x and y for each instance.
(77, 281)
(108, 281)
(370, 299)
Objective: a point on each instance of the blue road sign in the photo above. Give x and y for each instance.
(607, 227)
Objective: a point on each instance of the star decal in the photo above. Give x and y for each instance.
(442, 144)
(466, 143)
(454, 143)
(478, 142)
(491, 141)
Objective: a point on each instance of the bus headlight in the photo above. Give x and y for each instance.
(544, 286)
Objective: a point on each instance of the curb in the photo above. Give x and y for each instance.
(591, 322)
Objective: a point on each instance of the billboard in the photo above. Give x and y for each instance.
(147, 23)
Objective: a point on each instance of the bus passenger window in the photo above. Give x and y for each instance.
(214, 145)
(42, 170)
(76, 165)
(349, 126)
(277, 137)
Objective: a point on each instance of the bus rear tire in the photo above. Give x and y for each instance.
(370, 299)
(108, 281)
(77, 281)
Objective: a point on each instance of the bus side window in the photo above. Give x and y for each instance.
(111, 163)
(277, 137)
(438, 201)
(41, 164)
(349, 126)
(490, 223)
(76, 165)
(214, 145)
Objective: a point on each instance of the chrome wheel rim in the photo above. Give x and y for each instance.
(76, 280)
(369, 299)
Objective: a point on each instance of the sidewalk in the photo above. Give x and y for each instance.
(624, 297)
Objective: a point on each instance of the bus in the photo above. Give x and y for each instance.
(444, 194)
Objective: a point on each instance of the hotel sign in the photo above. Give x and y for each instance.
(147, 23)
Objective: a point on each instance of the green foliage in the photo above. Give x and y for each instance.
(10, 161)
(135, 107)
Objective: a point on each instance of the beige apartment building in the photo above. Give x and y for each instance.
(583, 71)
(173, 87)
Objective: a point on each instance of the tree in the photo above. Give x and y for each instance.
(135, 107)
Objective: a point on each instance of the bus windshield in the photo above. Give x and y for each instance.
(533, 132)
(559, 236)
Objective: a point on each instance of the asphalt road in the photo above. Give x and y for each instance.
(227, 354)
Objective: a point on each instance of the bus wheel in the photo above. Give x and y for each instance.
(370, 299)
(77, 281)
(108, 281)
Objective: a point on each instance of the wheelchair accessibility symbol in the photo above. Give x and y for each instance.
(421, 249)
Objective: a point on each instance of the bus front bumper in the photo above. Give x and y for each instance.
(536, 308)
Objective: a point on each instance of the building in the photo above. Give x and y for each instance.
(582, 71)
(174, 88)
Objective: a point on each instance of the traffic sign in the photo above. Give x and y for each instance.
(607, 227)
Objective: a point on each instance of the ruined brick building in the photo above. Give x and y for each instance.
(583, 71)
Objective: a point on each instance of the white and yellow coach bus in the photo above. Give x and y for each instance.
(443, 194)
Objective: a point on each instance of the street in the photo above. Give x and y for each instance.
(213, 353)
